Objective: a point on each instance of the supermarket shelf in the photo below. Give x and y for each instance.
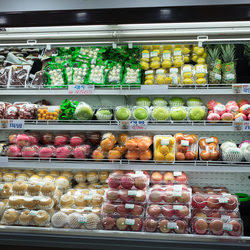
(191, 126)
(193, 90)
(198, 166)
(99, 239)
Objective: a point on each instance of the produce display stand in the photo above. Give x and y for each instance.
(204, 24)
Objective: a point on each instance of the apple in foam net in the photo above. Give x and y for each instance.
(168, 177)
(211, 104)
(213, 117)
(240, 117)
(219, 109)
(245, 109)
(127, 181)
(242, 102)
(227, 117)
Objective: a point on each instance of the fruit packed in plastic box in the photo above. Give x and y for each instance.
(205, 226)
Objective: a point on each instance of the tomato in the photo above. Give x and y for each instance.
(202, 143)
(179, 156)
(215, 155)
(190, 155)
(216, 140)
(195, 137)
(212, 146)
(182, 149)
(190, 139)
(178, 137)
(205, 155)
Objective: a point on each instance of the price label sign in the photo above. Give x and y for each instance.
(81, 89)
(237, 88)
(244, 126)
(245, 88)
(137, 125)
(12, 124)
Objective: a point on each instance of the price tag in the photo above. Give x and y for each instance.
(40, 183)
(129, 206)
(4, 161)
(159, 71)
(132, 192)
(172, 225)
(149, 72)
(98, 186)
(177, 193)
(1, 187)
(52, 109)
(37, 198)
(225, 218)
(245, 88)
(92, 192)
(184, 143)
(12, 124)
(130, 222)
(177, 188)
(173, 70)
(230, 76)
(177, 207)
(88, 197)
(153, 54)
(82, 220)
(227, 227)
(33, 212)
(165, 142)
(81, 89)
(209, 140)
(124, 125)
(154, 89)
(87, 208)
(145, 55)
(137, 125)
(166, 55)
(187, 69)
(139, 172)
(245, 126)
(237, 88)
(177, 52)
(223, 200)
(177, 173)
(217, 76)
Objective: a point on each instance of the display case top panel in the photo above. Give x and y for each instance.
(168, 14)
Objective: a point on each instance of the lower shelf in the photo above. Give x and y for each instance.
(198, 166)
(99, 239)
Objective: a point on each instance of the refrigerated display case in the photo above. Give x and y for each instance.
(114, 27)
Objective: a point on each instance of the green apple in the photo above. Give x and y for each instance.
(103, 114)
(178, 113)
(160, 114)
(158, 101)
(197, 114)
(123, 113)
(143, 101)
(176, 101)
(83, 112)
(140, 113)
(192, 102)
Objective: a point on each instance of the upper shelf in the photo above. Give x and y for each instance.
(197, 166)
(114, 125)
(112, 90)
